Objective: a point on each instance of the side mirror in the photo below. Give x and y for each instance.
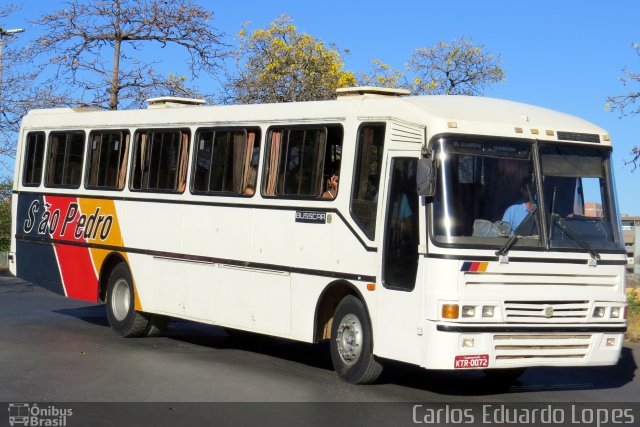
(426, 177)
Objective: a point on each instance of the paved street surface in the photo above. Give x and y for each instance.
(54, 349)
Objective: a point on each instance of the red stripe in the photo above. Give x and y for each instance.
(474, 266)
(76, 267)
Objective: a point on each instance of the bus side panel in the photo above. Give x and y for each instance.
(54, 242)
(35, 260)
(76, 265)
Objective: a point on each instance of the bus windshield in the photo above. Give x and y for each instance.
(579, 204)
(487, 193)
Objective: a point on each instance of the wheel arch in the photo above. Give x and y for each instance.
(110, 262)
(326, 305)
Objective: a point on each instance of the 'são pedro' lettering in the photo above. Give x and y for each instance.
(73, 223)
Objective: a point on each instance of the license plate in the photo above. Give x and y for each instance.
(471, 361)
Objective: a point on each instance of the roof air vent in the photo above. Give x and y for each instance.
(173, 101)
(348, 92)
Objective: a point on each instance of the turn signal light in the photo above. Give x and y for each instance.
(450, 311)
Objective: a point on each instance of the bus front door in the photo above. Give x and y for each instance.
(399, 302)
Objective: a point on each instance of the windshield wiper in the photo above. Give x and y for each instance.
(571, 234)
(514, 237)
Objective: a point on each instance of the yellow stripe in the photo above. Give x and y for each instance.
(107, 207)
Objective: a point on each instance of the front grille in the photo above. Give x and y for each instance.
(545, 348)
(546, 311)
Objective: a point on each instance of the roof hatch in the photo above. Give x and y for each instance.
(173, 101)
(347, 92)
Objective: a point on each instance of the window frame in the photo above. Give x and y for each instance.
(267, 157)
(67, 133)
(356, 170)
(25, 165)
(125, 135)
(181, 132)
(194, 158)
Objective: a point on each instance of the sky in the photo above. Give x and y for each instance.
(563, 55)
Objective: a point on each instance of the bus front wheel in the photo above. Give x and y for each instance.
(352, 344)
(125, 321)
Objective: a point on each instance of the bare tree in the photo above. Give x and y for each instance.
(94, 47)
(17, 94)
(626, 104)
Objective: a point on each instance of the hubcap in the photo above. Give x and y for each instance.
(120, 299)
(349, 339)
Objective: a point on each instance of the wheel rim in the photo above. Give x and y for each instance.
(349, 339)
(120, 299)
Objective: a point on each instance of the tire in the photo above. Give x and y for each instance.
(352, 344)
(505, 376)
(125, 321)
(157, 325)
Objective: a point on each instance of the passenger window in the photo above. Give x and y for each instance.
(364, 201)
(226, 161)
(303, 162)
(160, 160)
(400, 256)
(33, 159)
(64, 167)
(107, 167)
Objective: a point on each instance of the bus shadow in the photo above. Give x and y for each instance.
(475, 383)
(94, 314)
(216, 337)
(313, 355)
(458, 383)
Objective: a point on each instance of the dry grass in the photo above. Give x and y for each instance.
(633, 327)
(633, 316)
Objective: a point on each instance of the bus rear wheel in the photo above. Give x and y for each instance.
(352, 344)
(125, 321)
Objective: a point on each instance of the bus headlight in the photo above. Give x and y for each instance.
(488, 310)
(598, 312)
(468, 311)
(615, 312)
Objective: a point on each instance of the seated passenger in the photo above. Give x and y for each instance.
(516, 213)
(332, 187)
(249, 190)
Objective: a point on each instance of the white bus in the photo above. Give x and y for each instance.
(448, 232)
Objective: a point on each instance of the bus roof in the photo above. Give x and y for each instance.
(439, 113)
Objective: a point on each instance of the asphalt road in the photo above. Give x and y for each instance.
(54, 349)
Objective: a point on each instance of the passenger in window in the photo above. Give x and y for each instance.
(516, 213)
(332, 186)
(249, 190)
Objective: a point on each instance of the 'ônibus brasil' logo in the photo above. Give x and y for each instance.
(91, 226)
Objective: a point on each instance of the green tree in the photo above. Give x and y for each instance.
(455, 68)
(626, 104)
(280, 64)
(6, 188)
(93, 46)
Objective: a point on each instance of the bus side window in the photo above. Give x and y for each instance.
(33, 159)
(364, 200)
(400, 255)
(160, 160)
(66, 152)
(301, 160)
(107, 163)
(226, 161)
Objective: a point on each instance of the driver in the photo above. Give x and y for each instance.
(516, 213)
